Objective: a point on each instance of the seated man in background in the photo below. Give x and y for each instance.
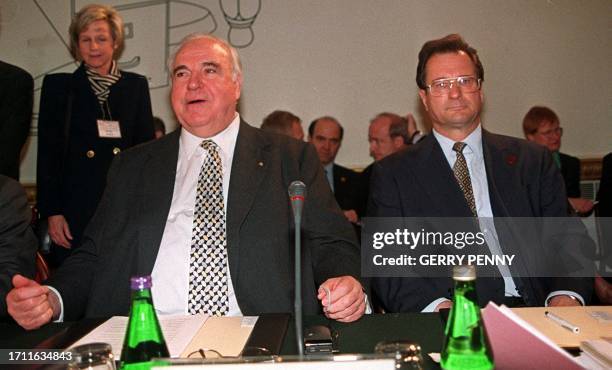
(284, 123)
(159, 126)
(326, 133)
(205, 211)
(17, 241)
(388, 133)
(541, 125)
(603, 285)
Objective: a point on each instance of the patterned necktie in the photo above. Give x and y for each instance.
(462, 174)
(208, 259)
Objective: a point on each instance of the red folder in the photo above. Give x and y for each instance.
(518, 345)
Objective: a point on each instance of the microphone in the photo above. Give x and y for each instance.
(297, 195)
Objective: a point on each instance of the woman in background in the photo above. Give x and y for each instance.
(85, 119)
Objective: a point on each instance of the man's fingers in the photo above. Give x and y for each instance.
(22, 281)
(351, 313)
(30, 310)
(356, 315)
(35, 322)
(66, 231)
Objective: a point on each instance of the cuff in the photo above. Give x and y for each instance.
(368, 309)
(61, 302)
(432, 306)
(568, 293)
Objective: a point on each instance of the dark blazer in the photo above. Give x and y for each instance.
(523, 182)
(364, 190)
(74, 186)
(15, 116)
(18, 244)
(570, 170)
(346, 187)
(604, 196)
(123, 238)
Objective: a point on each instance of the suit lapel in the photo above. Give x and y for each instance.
(500, 164)
(249, 167)
(159, 173)
(438, 181)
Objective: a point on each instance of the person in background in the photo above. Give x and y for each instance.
(326, 133)
(86, 118)
(284, 123)
(16, 89)
(541, 125)
(18, 244)
(388, 133)
(205, 211)
(159, 126)
(603, 285)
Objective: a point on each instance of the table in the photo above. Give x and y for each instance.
(427, 329)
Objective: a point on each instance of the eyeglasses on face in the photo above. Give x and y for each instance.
(551, 132)
(467, 84)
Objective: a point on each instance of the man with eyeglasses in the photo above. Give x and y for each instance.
(462, 170)
(541, 126)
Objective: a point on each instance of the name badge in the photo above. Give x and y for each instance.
(109, 129)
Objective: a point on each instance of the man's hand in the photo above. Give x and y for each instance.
(603, 289)
(581, 205)
(351, 215)
(59, 231)
(347, 299)
(563, 300)
(31, 304)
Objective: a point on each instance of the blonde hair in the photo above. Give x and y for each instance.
(89, 14)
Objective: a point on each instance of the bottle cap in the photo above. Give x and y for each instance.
(141, 282)
(464, 272)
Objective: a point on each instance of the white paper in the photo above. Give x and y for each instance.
(178, 332)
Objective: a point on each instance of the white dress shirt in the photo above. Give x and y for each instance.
(329, 174)
(171, 271)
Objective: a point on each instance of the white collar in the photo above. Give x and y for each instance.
(473, 143)
(226, 139)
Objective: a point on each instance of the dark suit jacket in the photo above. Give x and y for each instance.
(570, 170)
(15, 116)
(346, 187)
(364, 190)
(605, 188)
(18, 244)
(73, 187)
(123, 238)
(523, 182)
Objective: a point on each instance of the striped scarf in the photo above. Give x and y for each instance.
(101, 84)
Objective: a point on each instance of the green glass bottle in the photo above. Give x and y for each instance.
(466, 345)
(143, 338)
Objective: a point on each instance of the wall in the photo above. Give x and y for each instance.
(355, 58)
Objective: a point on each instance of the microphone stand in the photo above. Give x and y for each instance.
(297, 304)
(297, 194)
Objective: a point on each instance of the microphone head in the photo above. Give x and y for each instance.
(297, 189)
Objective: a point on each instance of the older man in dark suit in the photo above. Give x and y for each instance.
(461, 170)
(164, 213)
(15, 116)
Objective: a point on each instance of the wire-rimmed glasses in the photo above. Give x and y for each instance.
(442, 86)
